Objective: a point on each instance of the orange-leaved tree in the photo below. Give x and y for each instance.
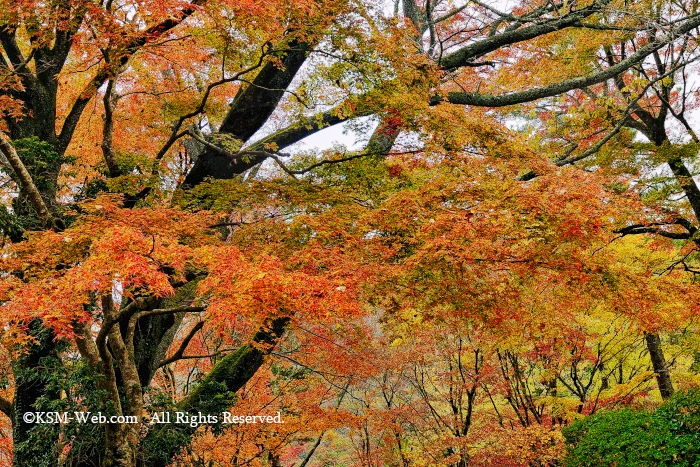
(121, 252)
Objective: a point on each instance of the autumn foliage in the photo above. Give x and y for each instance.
(498, 270)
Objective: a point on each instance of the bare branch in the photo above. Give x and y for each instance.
(178, 355)
(450, 14)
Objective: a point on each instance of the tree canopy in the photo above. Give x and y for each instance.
(508, 250)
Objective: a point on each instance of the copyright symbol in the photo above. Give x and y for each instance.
(29, 417)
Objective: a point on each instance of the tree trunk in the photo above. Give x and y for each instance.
(658, 362)
(120, 446)
(213, 395)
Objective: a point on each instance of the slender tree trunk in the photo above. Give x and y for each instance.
(658, 362)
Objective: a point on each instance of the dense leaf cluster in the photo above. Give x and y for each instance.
(668, 436)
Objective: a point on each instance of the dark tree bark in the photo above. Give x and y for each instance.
(658, 362)
(251, 108)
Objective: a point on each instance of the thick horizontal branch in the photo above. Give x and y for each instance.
(306, 127)
(637, 230)
(380, 143)
(554, 89)
(169, 311)
(468, 54)
(684, 223)
(655, 228)
(277, 157)
(196, 357)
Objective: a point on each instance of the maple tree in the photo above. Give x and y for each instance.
(163, 253)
